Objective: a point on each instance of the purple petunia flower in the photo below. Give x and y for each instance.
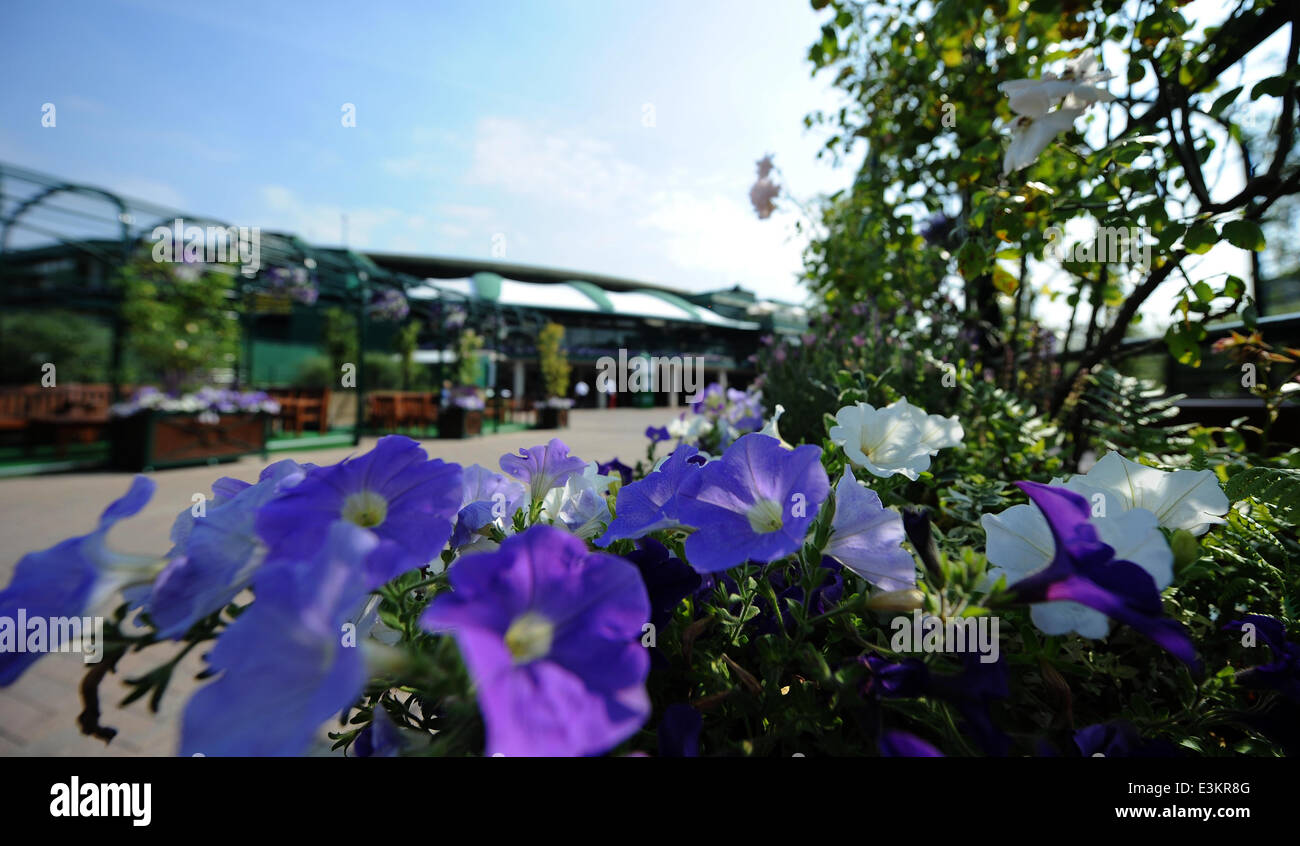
(615, 466)
(867, 538)
(542, 467)
(1283, 672)
(679, 732)
(825, 596)
(380, 738)
(487, 497)
(1120, 739)
(712, 402)
(651, 503)
(388, 304)
(668, 579)
(902, 744)
(906, 679)
(216, 554)
(285, 670)
(657, 433)
(971, 692)
(756, 503)
(1085, 570)
(70, 577)
(394, 490)
(550, 633)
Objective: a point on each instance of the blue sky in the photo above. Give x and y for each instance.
(516, 124)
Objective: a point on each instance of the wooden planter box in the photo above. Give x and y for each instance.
(552, 418)
(456, 422)
(151, 440)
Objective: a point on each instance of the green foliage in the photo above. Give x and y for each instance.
(383, 372)
(316, 372)
(340, 333)
(178, 330)
(468, 366)
(1129, 415)
(76, 344)
(405, 342)
(922, 102)
(554, 361)
(1280, 487)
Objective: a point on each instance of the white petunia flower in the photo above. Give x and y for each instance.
(899, 438)
(1020, 543)
(937, 432)
(581, 505)
(1180, 499)
(689, 429)
(1073, 91)
(769, 428)
(1029, 137)
(1075, 88)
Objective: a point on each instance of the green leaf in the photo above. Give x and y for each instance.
(1250, 316)
(1245, 234)
(1223, 101)
(1274, 86)
(1200, 238)
(1004, 281)
(1184, 342)
(1275, 487)
(1186, 549)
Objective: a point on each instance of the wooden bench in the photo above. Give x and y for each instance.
(302, 408)
(61, 414)
(391, 410)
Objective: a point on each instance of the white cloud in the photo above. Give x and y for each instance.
(718, 240)
(567, 167)
(418, 166)
(322, 223)
(447, 228)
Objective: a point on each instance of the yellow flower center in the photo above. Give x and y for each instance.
(365, 508)
(765, 516)
(529, 637)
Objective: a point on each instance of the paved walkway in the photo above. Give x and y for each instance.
(38, 713)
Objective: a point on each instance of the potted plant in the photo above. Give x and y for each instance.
(178, 326)
(154, 430)
(462, 413)
(553, 412)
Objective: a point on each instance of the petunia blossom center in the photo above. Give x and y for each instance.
(366, 509)
(529, 637)
(765, 516)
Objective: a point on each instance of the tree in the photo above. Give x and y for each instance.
(554, 362)
(467, 363)
(340, 334)
(76, 344)
(406, 341)
(924, 102)
(178, 329)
